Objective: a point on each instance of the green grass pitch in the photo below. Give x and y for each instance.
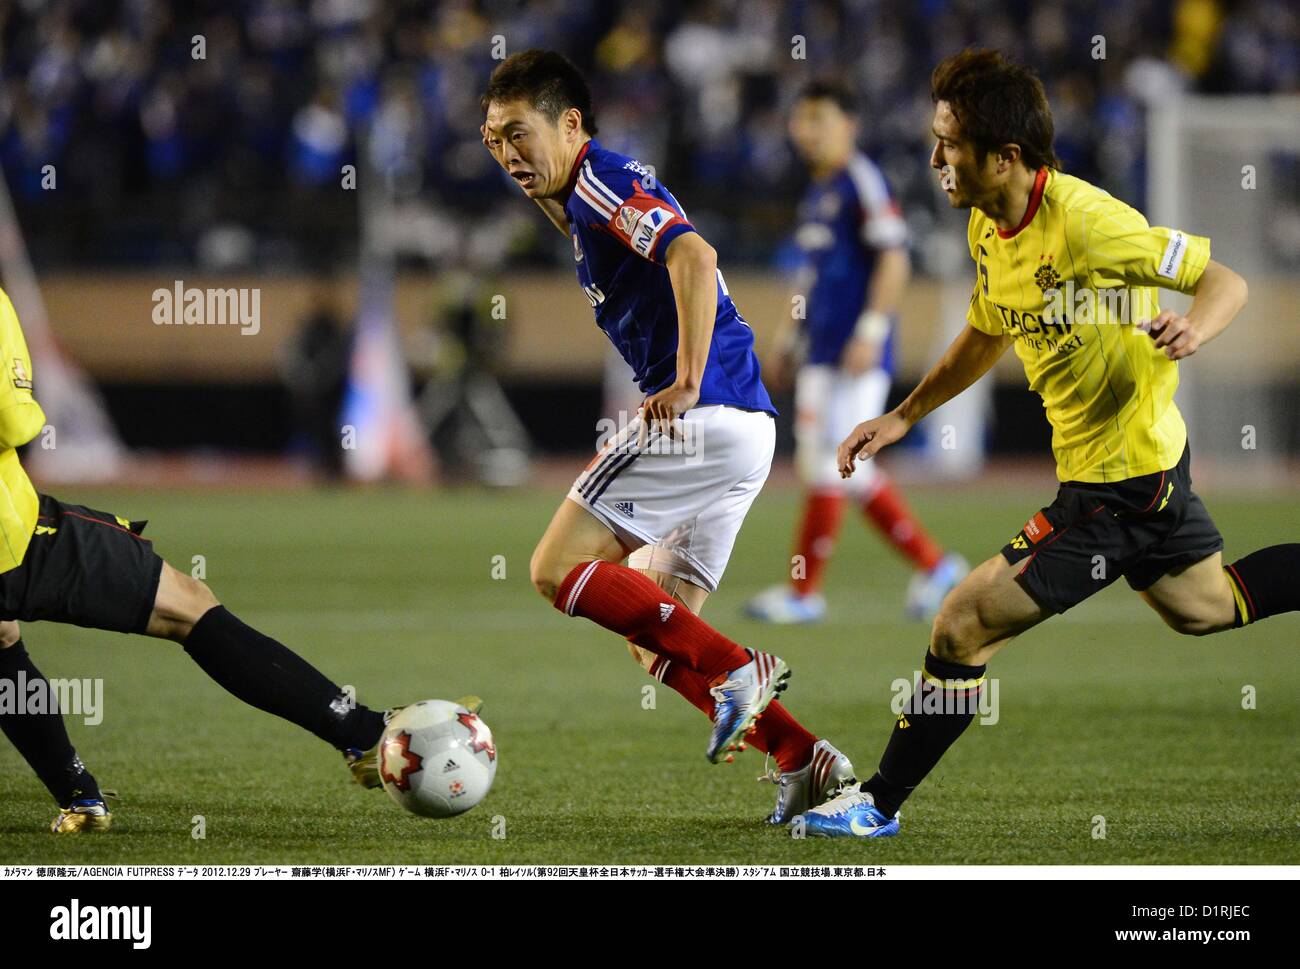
(1103, 712)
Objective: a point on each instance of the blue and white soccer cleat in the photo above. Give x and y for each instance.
(852, 814)
(827, 770)
(741, 697)
(926, 591)
(782, 606)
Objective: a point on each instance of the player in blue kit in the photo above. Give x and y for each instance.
(671, 489)
(853, 245)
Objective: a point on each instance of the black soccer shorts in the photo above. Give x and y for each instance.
(1093, 533)
(84, 567)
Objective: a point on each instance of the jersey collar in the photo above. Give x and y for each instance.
(577, 163)
(1035, 199)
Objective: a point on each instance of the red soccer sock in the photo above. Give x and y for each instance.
(822, 513)
(890, 514)
(632, 605)
(776, 733)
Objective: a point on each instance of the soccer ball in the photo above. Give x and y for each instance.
(437, 758)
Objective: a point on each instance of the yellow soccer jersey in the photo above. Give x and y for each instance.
(1066, 285)
(21, 418)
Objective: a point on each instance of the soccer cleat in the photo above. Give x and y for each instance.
(740, 697)
(782, 606)
(828, 770)
(926, 591)
(364, 764)
(90, 814)
(850, 814)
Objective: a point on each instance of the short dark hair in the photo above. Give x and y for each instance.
(997, 103)
(828, 89)
(547, 80)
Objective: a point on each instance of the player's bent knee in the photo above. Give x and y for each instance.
(544, 576)
(9, 633)
(204, 597)
(198, 598)
(954, 637)
(180, 602)
(949, 636)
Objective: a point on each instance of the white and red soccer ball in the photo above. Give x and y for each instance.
(437, 758)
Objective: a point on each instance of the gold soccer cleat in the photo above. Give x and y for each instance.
(82, 816)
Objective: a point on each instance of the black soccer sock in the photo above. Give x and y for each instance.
(1265, 583)
(936, 714)
(271, 677)
(41, 737)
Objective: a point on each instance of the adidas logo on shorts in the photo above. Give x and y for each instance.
(624, 507)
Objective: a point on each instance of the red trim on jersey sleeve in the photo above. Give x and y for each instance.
(1035, 198)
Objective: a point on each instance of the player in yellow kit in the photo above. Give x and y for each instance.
(67, 563)
(1067, 275)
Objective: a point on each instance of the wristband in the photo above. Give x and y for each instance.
(873, 326)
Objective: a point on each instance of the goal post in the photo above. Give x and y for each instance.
(1228, 167)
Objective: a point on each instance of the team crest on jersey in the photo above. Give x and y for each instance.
(628, 217)
(1047, 277)
(22, 380)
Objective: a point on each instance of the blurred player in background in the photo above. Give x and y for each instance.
(1104, 362)
(856, 267)
(672, 488)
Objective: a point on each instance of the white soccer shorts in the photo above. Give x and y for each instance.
(828, 404)
(678, 502)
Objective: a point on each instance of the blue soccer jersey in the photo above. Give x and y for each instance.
(621, 220)
(844, 222)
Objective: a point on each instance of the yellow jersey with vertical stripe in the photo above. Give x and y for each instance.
(1067, 285)
(21, 419)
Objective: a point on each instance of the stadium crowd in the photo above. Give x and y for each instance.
(216, 131)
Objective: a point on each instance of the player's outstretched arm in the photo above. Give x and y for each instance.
(1220, 295)
(967, 359)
